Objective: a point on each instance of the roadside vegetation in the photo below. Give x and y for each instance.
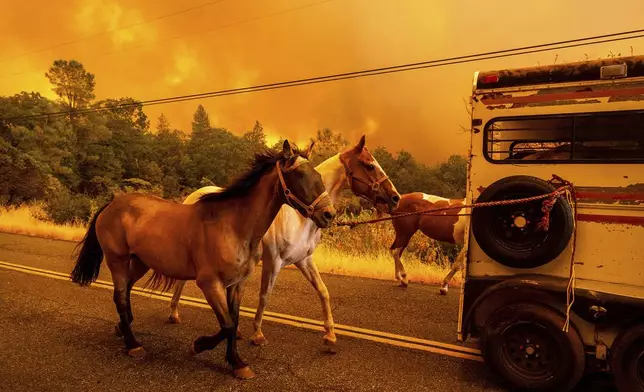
(58, 170)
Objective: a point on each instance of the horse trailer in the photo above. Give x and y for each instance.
(554, 291)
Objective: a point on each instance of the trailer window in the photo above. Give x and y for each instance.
(594, 137)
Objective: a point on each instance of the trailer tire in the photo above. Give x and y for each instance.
(627, 360)
(509, 234)
(525, 345)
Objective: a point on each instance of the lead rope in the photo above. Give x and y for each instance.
(571, 197)
(572, 279)
(430, 211)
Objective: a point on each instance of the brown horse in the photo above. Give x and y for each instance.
(215, 241)
(292, 239)
(447, 226)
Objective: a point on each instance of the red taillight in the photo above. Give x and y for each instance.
(491, 79)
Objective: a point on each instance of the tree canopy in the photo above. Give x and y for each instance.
(74, 162)
(72, 83)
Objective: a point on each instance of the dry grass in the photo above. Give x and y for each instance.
(361, 252)
(364, 251)
(24, 220)
(379, 266)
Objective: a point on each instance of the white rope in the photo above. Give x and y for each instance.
(570, 290)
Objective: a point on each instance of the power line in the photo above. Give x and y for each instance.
(357, 74)
(182, 11)
(198, 32)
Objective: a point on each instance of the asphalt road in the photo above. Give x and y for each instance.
(57, 336)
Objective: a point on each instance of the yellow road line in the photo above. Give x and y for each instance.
(295, 321)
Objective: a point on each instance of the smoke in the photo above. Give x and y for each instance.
(257, 41)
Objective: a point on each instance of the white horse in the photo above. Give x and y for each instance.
(291, 238)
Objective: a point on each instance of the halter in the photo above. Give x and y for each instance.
(373, 185)
(310, 209)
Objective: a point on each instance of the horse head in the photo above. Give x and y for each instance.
(303, 187)
(366, 177)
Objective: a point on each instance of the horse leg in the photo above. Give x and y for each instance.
(311, 273)
(119, 268)
(235, 294)
(270, 270)
(174, 303)
(397, 249)
(136, 272)
(215, 294)
(457, 265)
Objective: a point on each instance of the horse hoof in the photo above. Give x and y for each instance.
(443, 291)
(330, 344)
(172, 319)
(329, 340)
(117, 331)
(400, 283)
(138, 352)
(259, 340)
(193, 349)
(244, 373)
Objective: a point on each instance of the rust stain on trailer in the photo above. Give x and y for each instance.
(611, 219)
(554, 103)
(625, 98)
(632, 194)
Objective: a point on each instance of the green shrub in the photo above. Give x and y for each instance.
(65, 207)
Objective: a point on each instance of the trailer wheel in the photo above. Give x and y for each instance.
(509, 234)
(525, 345)
(627, 360)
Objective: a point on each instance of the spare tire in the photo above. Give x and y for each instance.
(509, 234)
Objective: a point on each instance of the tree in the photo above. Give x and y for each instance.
(127, 110)
(217, 155)
(97, 158)
(49, 140)
(446, 179)
(255, 139)
(385, 159)
(129, 135)
(22, 177)
(200, 121)
(327, 144)
(214, 153)
(75, 163)
(170, 154)
(163, 125)
(452, 175)
(72, 83)
(278, 144)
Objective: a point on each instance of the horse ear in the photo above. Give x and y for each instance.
(287, 150)
(360, 145)
(309, 150)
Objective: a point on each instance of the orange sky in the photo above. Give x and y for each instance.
(419, 111)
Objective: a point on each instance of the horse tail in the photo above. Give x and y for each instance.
(88, 262)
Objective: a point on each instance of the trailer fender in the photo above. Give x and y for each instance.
(520, 289)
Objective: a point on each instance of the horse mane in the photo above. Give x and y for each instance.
(263, 161)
